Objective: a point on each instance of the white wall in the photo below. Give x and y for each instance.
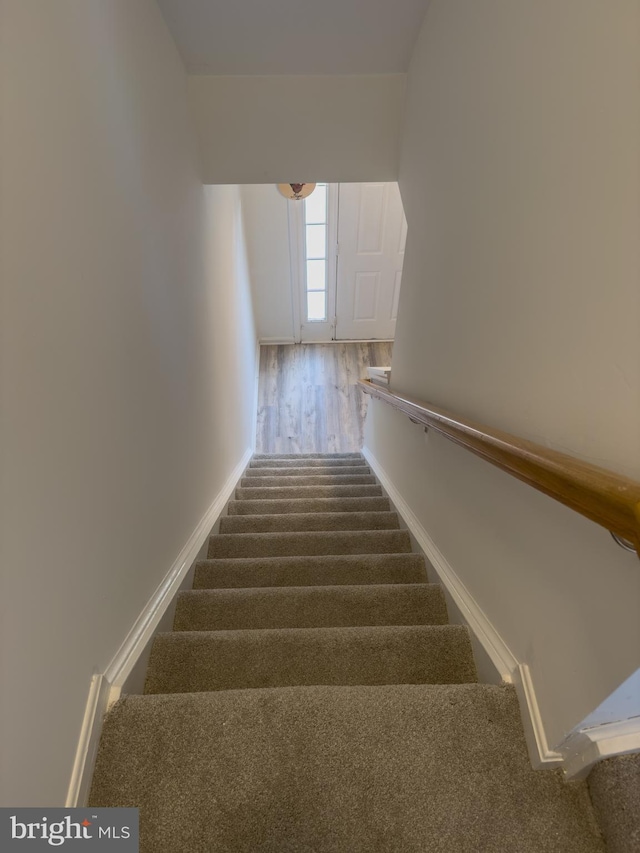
(128, 348)
(622, 704)
(266, 222)
(289, 128)
(520, 307)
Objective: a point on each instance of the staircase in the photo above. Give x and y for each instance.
(312, 696)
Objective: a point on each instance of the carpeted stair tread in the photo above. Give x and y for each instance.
(289, 492)
(310, 607)
(266, 457)
(615, 792)
(313, 699)
(309, 480)
(317, 462)
(249, 507)
(308, 543)
(342, 471)
(329, 570)
(309, 521)
(398, 769)
(195, 661)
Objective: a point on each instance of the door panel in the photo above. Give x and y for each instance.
(366, 295)
(371, 237)
(370, 219)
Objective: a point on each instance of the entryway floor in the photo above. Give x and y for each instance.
(308, 401)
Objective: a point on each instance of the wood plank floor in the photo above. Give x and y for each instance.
(307, 397)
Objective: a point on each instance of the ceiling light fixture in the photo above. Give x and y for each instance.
(296, 191)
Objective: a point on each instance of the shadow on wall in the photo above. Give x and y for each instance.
(622, 704)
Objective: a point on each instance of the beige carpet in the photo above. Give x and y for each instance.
(615, 792)
(312, 696)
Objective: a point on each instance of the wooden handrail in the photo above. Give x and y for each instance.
(607, 498)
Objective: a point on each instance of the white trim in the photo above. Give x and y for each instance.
(363, 340)
(500, 654)
(540, 754)
(586, 747)
(333, 196)
(256, 398)
(105, 687)
(266, 342)
(146, 623)
(510, 669)
(294, 220)
(87, 749)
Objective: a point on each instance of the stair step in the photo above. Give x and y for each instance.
(310, 571)
(308, 480)
(265, 457)
(310, 607)
(312, 696)
(337, 770)
(266, 507)
(290, 492)
(195, 661)
(309, 543)
(614, 786)
(310, 462)
(309, 471)
(306, 521)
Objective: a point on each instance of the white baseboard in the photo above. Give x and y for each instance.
(87, 750)
(540, 754)
(256, 398)
(497, 650)
(106, 687)
(586, 747)
(505, 662)
(278, 341)
(362, 341)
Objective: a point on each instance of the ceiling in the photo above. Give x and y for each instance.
(294, 36)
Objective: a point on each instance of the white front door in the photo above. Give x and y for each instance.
(372, 231)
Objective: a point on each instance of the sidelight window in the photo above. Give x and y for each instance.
(316, 254)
